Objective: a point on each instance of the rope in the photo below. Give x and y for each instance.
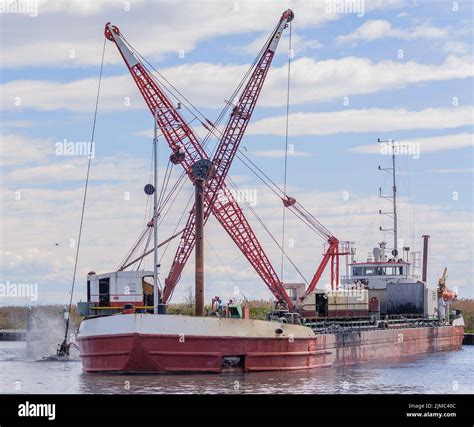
(85, 191)
(306, 218)
(172, 91)
(179, 98)
(150, 234)
(231, 277)
(286, 155)
(148, 214)
(262, 223)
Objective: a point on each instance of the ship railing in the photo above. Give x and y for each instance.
(332, 324)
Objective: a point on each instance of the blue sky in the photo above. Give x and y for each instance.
(403, 70)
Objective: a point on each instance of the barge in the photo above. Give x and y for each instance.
(380, 309)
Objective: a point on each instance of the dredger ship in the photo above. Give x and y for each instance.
(379, 309)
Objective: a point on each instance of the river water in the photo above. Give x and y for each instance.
(445, 373)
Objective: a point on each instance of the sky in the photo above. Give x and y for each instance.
(360, 71)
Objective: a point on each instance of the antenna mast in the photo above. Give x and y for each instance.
(392, 147)
(156, 289)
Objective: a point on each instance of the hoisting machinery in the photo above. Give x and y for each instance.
(187, 149)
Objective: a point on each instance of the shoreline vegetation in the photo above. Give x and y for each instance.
(15, 317)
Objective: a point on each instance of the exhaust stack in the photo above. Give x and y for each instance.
(425, 258)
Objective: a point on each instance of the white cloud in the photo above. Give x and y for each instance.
(16, 124)
(41, 252)
(451, 171)
(299, 44)
(80, 7)
(378, 28)
(66, 169)
(428, 144)
(364, 120)
(154, 28)
(209, 85)
(30, 253)
(19, 149)
(275, 154)
(454, 47)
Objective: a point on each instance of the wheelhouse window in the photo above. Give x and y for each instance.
(394, 271)
(292, 294)
(378, 271)
(104, 292)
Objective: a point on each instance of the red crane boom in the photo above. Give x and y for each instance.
(187, 150)
(224, 208)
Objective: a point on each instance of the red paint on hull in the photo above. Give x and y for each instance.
(169, 353)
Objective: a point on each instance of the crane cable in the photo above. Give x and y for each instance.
(286, 154)
(174, 92)
(216, 132)
(64, 346)
(303, 217)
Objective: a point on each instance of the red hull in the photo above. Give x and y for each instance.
(153, 353)
(136, 352)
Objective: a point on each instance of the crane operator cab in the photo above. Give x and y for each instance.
(117, 292)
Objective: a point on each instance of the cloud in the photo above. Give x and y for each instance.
(209, 85)
(378, 28)
(299, 44)
(42, 252)
(154, 28)
(451, 171)
(427, 145)
(454, 47)
(19, 149)
(275, 154)
(112, 223)
(16, 124)
(363, 120)
(80, 7)
(73, 169)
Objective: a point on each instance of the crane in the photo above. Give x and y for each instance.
(187, 150)
(443, 291)
(334, 249)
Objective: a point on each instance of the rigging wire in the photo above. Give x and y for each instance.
(262, 223)
(286, 154)
(220, 261)
(173, 91)
(178, 96)
(134, 247)
(213, 132)
(145, 219)
(304, 216)
(150, 234)
(85, 192)
(165, 181)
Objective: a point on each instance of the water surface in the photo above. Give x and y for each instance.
(444, 372)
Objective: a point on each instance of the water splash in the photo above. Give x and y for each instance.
(44, 333)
